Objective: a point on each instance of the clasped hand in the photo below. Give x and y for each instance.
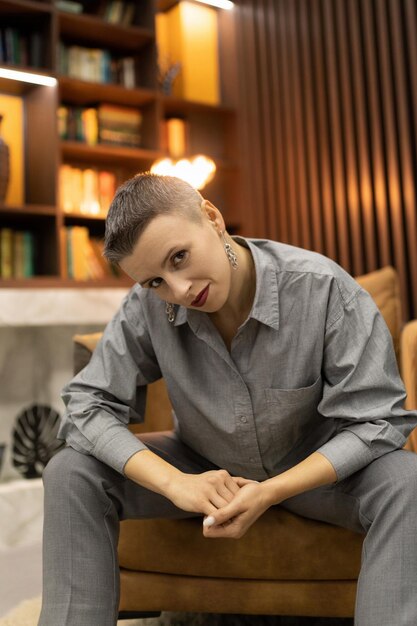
(234, 503)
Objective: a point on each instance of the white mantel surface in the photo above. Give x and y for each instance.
(59, 307)
(21, 513)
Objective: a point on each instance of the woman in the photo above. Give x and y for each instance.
(285, 389)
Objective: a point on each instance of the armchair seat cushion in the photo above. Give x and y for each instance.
(280, 546)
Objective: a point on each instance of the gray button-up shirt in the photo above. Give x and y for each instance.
(311, 369)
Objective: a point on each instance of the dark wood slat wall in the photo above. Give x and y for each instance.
(329, 130)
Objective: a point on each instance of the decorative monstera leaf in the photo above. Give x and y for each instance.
(34, 439)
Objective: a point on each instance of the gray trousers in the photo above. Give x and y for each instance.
(85, 499)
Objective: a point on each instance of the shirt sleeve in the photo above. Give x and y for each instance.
(362, 392)
(110, 391)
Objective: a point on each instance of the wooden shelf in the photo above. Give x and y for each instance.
(48, 282)
(98, 32)
(82, 217)
(24, 6)
(28, 209)
(165, 5)
(86, 93)
(178, 106)
(17, 87)
(107, 154)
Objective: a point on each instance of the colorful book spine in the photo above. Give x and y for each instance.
(17, 254)
(84, 255)
(6, 253)
(85, 192)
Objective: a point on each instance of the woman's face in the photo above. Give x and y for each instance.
(182, 261)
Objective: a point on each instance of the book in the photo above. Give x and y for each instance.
(119, 125)
(62, 115)
(28, 254)
(90, 126)
(77, 241)
(69, 6)
(106, 190)
(128, 75)
(129, 14)
(90, 199)
(85, 191)
(16, 253)
(6, 253)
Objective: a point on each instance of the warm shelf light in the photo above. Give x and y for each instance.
(219, 4)
(197, 171)
(28, 77)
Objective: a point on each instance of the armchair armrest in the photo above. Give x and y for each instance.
(83, 349)
(158, 414)
(408, 366)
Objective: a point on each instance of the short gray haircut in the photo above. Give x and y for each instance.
(138, 201)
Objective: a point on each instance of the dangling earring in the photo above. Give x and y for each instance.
(231, 254)
(170, 311)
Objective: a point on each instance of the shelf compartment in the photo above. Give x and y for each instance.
(76, 91)
(95, 31)
(29, 26)
(44, 230)
(101, 153)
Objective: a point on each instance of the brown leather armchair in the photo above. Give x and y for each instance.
(285, 564)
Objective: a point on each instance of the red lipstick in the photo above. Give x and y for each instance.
(201, 298)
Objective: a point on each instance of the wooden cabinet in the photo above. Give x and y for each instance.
(47, 34)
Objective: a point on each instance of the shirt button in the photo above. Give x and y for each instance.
(243, 419)
(252, 460)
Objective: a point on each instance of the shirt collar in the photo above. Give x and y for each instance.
(265, 307)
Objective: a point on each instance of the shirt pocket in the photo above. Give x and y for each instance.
(292, 414)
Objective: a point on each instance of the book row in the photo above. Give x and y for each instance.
(17, 253)
(84, 254)
(112, 11)
(96, 65)
(106, 123)
(19, 47)
(86, 191)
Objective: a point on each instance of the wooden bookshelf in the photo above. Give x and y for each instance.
(99, 154)
(213, 128)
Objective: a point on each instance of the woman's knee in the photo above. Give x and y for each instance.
(64, 463)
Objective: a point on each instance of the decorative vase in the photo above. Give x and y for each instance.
(4, 166)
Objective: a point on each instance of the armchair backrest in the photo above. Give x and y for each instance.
(383, 286)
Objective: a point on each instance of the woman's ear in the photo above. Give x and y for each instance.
(213, 215)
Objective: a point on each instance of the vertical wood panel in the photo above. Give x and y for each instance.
(323, 150)
(329, 112)
(301, 194)
(391, 153)
(279, 151)
(405, 149)
(266, 122)
(354, 236)
(249, 122)
(332, 76)
(289, 162)
(373, 98)
(311, 139)
(360, 135)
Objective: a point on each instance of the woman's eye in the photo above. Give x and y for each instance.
(179, 257)
(154, 283)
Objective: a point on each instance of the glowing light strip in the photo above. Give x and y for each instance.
(220, 4)
(27, 77)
